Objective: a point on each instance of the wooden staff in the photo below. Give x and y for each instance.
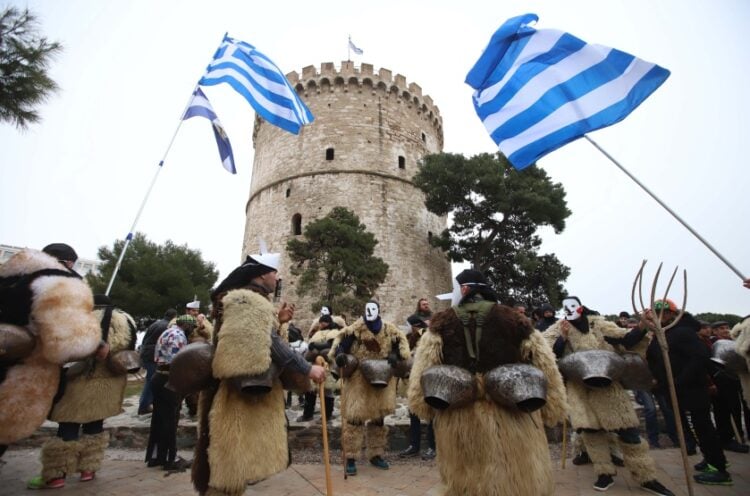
(564, 453)
(326, 456)
(343, 421)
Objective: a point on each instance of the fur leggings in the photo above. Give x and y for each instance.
(353, 438)
(634, 454)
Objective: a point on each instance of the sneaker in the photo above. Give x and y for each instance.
(429, 454)
(716, 478)
(351, 467)
(655, 487)
(736, 447)
(617, 461)
(409, 452)
(603, 482)
(304, 418)
(705, 467)
(378, 462)
(179, 464)
(581, 458)
(146, 411)
(39, 483)
(87, 475)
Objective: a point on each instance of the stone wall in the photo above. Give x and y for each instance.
(376, 127)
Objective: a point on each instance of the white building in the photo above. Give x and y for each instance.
(83, 265)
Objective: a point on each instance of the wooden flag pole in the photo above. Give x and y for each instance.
(664, 205)
(326, 456)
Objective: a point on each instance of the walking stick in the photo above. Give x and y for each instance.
(564, 453)
(326, 456)
(343, 421)
(661, 339)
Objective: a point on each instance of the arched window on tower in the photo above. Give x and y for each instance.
(329, 153)
(401, 162)
(296, 224)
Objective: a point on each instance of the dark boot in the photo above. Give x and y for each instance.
(329, 407)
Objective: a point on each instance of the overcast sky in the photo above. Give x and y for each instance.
(128, 69)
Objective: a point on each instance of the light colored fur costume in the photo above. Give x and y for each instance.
(484, 448)
(603, 409)
(65, 329)
(248, 437)
(361, 402)
(97, 394)
(330, 383)
(741, 335)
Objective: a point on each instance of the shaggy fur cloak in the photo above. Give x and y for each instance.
(98, 393)
(607, 408)
(247, 434)
(741, 335)
(64, 328)
(484, 448)
(360, 401)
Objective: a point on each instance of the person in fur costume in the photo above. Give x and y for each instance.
(92, 390)
(484, 448)
(47, 321)
(741, 335)
(242, 437)
(363, 406)
(320, 342)
(596, 412)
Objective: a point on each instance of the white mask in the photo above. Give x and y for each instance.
(572, 308)
(371, 312)
(325, 311)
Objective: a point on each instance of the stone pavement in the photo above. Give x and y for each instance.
(124, 474)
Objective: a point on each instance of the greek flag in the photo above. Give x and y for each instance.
(200, 107)
(537, 90)
(354, 48)
(256, 77)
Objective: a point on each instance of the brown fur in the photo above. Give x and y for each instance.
(26, 396)
(377, 438)
(502, 333)
(597, 446)
(99, 394)
(248, 437)
(352, 439)
(59, 458)
(429, 352)
(537, 352)
(200, 471)
(360, 401)
(607, 408)
(92, 451)
(638, 461)
(244, 341)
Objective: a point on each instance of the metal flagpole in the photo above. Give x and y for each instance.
(679, 219)
(129, 237)
(349, 49)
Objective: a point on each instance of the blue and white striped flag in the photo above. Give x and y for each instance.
(200, 107)
(264, 86)
(354, 48)
(537, 90)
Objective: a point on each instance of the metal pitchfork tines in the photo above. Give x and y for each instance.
(661, 338)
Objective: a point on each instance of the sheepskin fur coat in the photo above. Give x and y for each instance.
(246, 435)
(607, 408)
(741, 336)
(484, 448)
(59, 317)
(360, 401)
(97, 393)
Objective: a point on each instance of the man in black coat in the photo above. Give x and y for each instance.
(690, 361)
(147, 358)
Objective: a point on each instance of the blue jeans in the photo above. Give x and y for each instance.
(645, 399)
(147, 395)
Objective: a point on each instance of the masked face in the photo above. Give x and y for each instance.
(371, 312)
(325, 311)
(572, 308)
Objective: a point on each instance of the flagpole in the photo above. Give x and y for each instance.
(349, 49)
(129, 237)
(664, 205)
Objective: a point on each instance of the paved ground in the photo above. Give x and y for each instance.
(124, 474)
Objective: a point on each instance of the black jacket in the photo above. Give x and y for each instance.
(148, 344)
(690, 361)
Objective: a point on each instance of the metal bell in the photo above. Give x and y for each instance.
(725, 354)
(448, 386)
(258, 384)
(190, 369)
(402, 369)
(593, 368)
(377, 372)
(517, 385)
(636, 375)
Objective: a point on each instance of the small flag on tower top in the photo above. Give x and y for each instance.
(537, 90)
(354, 48)
(200, 106)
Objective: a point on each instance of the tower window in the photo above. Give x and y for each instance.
(329, 153)
(288, 192)
(296, 224)
(424, 137)
(429, 236)
(401, 162)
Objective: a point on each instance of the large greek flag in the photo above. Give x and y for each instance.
(200, 107)
(256, 77)
(537, 90)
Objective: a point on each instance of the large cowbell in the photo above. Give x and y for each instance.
(517, 385)
(377, 372)
(593, 368)
(448, 386)
(725, 354)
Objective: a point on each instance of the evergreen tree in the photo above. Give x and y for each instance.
(154, 277)
(24, 57)
(496, 212)
(335, 262)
